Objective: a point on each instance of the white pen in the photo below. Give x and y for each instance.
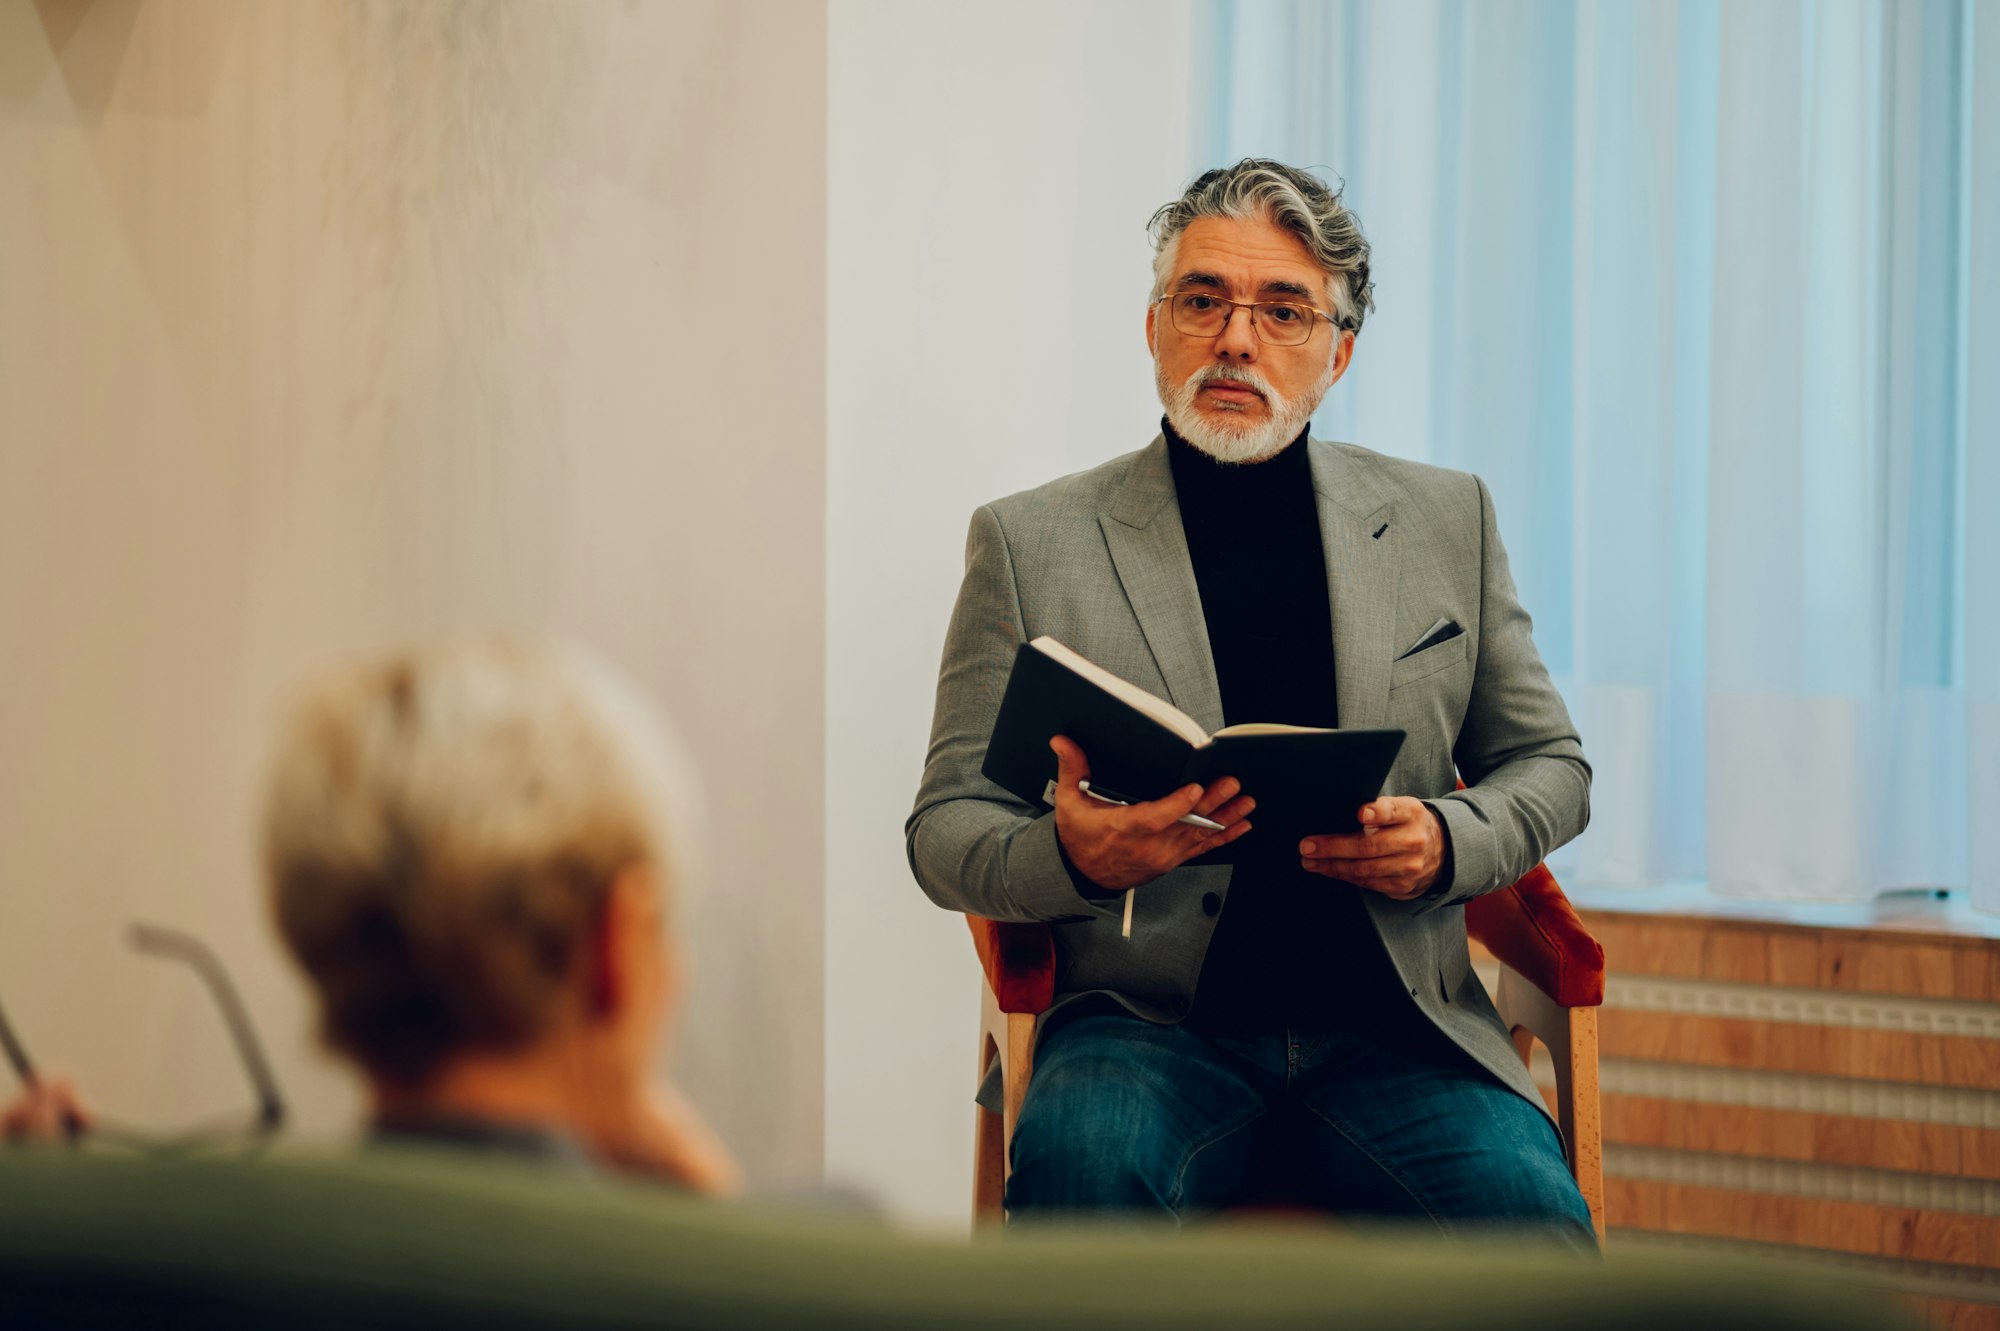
(1113, 797)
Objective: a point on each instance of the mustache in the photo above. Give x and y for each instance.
(1228, 374)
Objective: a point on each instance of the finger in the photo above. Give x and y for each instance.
(1348, 871)
(1208, 841)
(1374, 865)
(67, 1104)
(1233, 812)
(1389, 811)
(1362, 873)
(1071, 765)
(1160, 814)
(33, 1116)
(1236, 829)
(1217, 795)
(1358, 846)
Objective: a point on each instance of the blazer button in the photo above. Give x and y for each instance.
(1211, 904)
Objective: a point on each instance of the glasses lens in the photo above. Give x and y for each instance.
(1198, 315)
(1284, 325)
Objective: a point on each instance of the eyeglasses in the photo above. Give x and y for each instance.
(270, 1112)
(1277, 323)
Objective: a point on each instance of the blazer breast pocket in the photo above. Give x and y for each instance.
(1428, 662)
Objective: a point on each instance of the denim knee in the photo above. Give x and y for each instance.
(1087, 1152)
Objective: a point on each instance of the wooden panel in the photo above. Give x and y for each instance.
(1794, 956)
(1951, 1315)
(1806, 1222)
(1827, 1051)
(1785, 1134)
(1978, 973)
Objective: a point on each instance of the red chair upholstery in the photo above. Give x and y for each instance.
(1531, 927)
(1019, 961)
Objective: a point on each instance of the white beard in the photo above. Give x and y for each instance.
(1227, 438)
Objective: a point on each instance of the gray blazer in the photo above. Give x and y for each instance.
(1099, 561)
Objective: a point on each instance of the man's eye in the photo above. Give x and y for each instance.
(1198, 304)
(1284, 314)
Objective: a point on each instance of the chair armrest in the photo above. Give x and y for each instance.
(1533, 930)
(1019, 961)
(1530, 927)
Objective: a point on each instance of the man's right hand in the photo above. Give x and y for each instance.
(1123, 846)
(655, 1131)
(47, 1110)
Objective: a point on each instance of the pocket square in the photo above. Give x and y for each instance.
(1442, 631)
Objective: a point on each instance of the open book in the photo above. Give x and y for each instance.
(1304, 779)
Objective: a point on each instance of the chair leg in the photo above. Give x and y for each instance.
(1016, 1066)
(1586, 1127)
(989, 1151)
(1570, 1035)
(1009, 1037)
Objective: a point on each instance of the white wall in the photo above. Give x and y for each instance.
(991, 169)
(324, 325)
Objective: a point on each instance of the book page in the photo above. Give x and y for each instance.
(1270, 728)
(1159, 709)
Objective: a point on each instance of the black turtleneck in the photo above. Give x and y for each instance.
(1291, 949)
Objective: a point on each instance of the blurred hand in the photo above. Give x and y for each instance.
(1122, 846)
(662, 1134)
(1398, 851)
(48, 1110)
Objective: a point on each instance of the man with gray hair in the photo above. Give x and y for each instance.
(469, 848)
(1313, 1006)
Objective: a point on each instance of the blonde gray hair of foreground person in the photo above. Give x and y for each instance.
(470, 849)
(440, 832)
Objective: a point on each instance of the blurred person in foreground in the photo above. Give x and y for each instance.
(469, 851)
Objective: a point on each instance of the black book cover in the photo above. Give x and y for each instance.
(1304, 781)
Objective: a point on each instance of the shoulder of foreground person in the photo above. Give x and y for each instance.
(323, 1241)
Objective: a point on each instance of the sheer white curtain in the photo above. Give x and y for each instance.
(1697, 288)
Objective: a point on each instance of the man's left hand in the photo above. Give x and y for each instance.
(1398, 851)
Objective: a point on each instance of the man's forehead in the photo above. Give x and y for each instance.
(1244, 254)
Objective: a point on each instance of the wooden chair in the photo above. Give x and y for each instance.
(1551, 985)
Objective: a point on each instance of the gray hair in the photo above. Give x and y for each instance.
(1296, 200)
(441, 829)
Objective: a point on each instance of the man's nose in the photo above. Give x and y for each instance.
(1238, 339)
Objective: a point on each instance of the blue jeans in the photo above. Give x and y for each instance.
(1125, 1116)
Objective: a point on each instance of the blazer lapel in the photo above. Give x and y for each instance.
(1358, 531)
(1142, 528)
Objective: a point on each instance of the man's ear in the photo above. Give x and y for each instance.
(1152, 313)
(604, 972)
(1343, 353)
(617, 942)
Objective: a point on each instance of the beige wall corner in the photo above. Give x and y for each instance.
(329, 325)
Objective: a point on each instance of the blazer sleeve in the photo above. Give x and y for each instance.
(1527, 782)
(973, 846)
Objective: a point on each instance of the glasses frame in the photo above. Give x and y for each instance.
(1251, 305)
(175, 945)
